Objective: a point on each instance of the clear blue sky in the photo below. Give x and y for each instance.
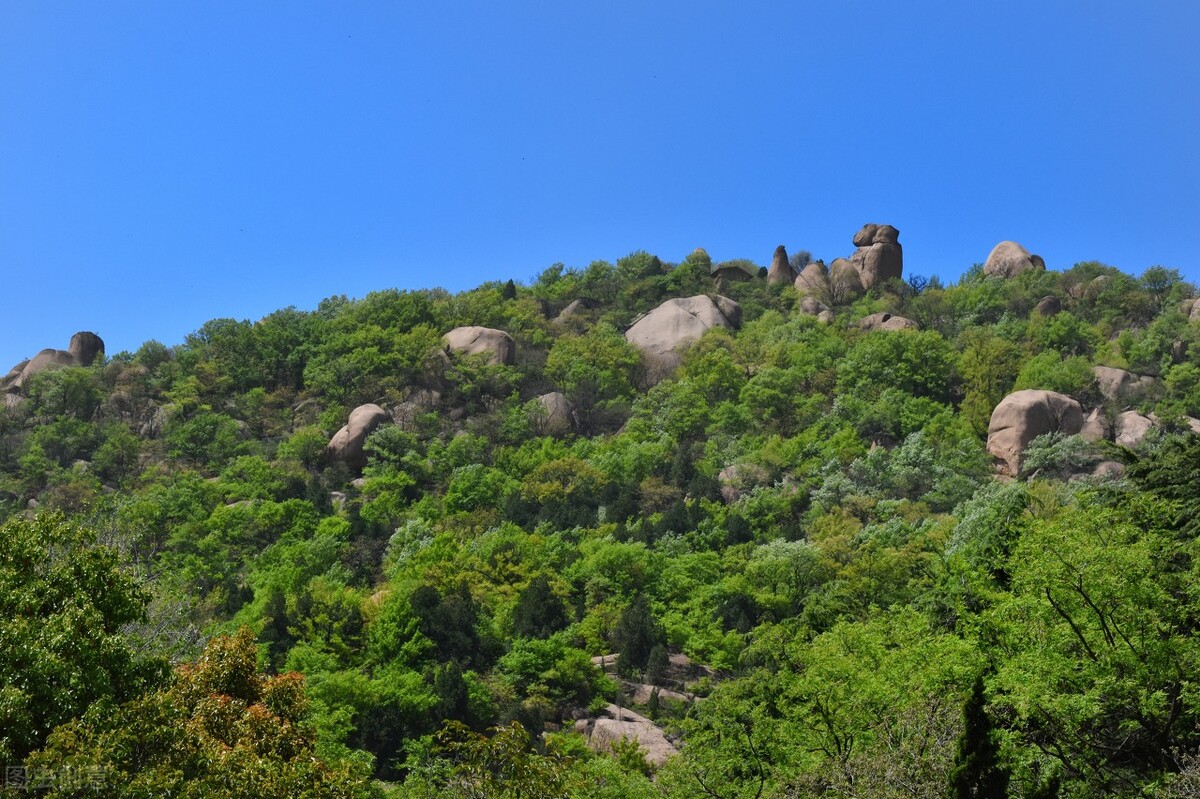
(168, 163)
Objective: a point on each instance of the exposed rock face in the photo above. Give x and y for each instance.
(813, 280)
(845, 284)
(780, 272)
(1009, 259)
(1109, 470)
(886, 321)
(738, 478)
(1119, 385)
(619, 723)
(82, 351)
(559, 414)
(660, 333)
(1132, 428)
(474, 340)
(879, 256)
(1095, 427)
(347, 444)
(1023, 416)
(825, 317)
(1048, 306)
(1190, 308)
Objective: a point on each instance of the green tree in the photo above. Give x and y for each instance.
(63, 602)
(539, 612)
(977, 772)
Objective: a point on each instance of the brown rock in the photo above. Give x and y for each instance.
(1048, 306)
(661, 333)
(825, 317)
(1009, 259)
(810, 306)
(576, 307)
(886, 234)
(1023, 416)
(865, 237)
(84, 348)
(887, 321)
(1095, 427)
(881, 262)
(845, 284)
(347, 444)
(1109, 470)
(82, 351)
(813, 280)
(558, 415)
(1132, 428)
(780, 272)
(496, 344)
(619, 723)
(1120, 386)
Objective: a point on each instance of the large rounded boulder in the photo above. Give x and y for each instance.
(660, 334)
(497, 345)
(1009, 259)
(1023, 416)
(879, 256)
(83, 350)
(347, 444)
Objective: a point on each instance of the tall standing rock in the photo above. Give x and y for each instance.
(780, 272)
(1009, 259)
(347, 444)
(496, 344)
(660, 333)
(1023, 416)
(879, 256)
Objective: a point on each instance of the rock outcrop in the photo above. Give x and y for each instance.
(813, 280)
(887, 321)
(1119, 385)
(576, 307)
(1023, 416)
(845, 284)
(1095, 427)
(1131, 428)
(557, 415)
(1048, 306)
(1009, 259)
(879, 256)
(496, 344)
(347, 444)
(811, 307)
(661, 333)
(618, 723)
(83, 350)
(780, 271)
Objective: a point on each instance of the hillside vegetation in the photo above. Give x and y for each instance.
(577, 560)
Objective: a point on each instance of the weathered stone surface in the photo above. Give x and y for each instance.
(347, 444)
(1194, 314)
(1048, 306)
(780, 272)
(1131, 428)
(886, 234)
(880, 262)
(887, 321)
(845, 283)
(618, 723)
(1109, 470)
(1095, 427)
(1009, 259)
(662, 332)
(475, 340)
(825, 317)
(558, 414)
(1119, 385)
(1023, 416)
(865, 236)
(813, 280)
(82, 351)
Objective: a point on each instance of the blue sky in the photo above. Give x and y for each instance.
(168, 163)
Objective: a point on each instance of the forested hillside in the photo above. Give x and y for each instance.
(642, 529)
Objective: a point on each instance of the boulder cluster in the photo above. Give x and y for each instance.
(878, 258)
(660, 334)
(1009, 259)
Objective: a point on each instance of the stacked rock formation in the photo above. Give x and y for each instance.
(82, 351)
(879, 258)
(1009, 259)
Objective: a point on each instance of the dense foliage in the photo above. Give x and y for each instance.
(792, 554)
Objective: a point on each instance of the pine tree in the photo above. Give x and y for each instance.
(977, 772)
